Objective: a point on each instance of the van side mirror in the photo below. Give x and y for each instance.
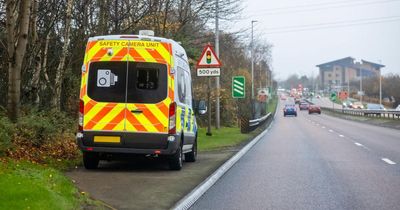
(202, 107)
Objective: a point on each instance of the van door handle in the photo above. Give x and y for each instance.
(137, 111)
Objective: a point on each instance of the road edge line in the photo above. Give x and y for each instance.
(187, 201)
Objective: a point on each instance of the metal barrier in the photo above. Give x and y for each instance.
(247, 125)
(393, 114)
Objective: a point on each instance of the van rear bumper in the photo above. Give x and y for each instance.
(130, 143)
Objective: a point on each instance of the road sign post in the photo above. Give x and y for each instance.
(238, 87)
(209, 66)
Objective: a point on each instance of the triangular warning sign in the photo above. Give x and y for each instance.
(208, 58)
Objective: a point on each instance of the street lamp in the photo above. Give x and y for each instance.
(252, 60)
(380, 84)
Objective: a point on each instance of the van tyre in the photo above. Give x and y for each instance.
(91, 160)
(176, 160)
(191, 156)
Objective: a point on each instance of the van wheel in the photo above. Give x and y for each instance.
(90, 160)
(176, 160)
(191, 156)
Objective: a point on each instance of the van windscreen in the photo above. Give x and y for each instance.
(147, 82)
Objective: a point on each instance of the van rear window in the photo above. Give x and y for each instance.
(107, 81)
(146, 82)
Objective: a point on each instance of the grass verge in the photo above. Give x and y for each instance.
(25, 185)
(221, 138)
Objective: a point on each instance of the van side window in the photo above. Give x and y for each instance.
(181, 85)
(188, 85)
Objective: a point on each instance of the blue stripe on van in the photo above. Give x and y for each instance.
(189, 119)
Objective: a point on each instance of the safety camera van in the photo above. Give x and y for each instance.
(136, 98)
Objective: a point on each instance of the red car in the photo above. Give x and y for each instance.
(314, 109)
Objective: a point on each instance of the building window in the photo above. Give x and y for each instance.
(337, 75)
(329, 75)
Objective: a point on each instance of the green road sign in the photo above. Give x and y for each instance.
(238, 87)
(333, 96)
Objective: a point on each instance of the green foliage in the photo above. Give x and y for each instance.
(40, 127)
(6, 131)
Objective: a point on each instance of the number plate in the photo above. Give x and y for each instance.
(107, 139)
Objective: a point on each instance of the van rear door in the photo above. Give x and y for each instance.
(104, 101)
(150, 87)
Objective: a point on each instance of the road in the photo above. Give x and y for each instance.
(313, 162)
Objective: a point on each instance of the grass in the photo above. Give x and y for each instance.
(221, 138)
(24, 185)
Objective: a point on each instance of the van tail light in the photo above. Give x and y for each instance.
(81, 111)
(172, 119)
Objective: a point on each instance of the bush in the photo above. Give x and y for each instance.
(41, 127)
(6, 131)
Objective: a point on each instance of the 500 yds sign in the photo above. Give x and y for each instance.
(208, 72)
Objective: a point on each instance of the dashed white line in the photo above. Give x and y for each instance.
(341, 135)
(388, 161)
(358, 144)
(323, 126)
(330, 130)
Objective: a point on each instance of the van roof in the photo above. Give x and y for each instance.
(177, 48)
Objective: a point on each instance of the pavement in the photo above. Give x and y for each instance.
(143, 183)
(313, 162)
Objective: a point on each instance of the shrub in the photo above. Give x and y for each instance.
(6, 131)
(41, 127)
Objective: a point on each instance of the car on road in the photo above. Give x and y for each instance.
(297, 100)
(314, 109)
(290, 109)
(347, 104)
(303, 106)
(283, 97)
(374, 109)
(357, 105)
(398, 108)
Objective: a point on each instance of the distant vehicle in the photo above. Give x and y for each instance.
(314, 109)
(357, 105)
(297, 100)
(318, 96)
(283, 97)
(398, 108)
(347, 104)
(303, 106)
(290, 110)
(374, 107)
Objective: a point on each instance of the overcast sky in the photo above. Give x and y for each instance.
(301, 49)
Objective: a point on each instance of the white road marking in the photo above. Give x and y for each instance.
(341, 135)
(323, 126)
(330, 130)
(358, 144)
(388, 161)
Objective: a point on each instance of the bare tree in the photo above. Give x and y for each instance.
(17, 13)
(55, 102)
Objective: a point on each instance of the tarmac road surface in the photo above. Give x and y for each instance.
(313, 162)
